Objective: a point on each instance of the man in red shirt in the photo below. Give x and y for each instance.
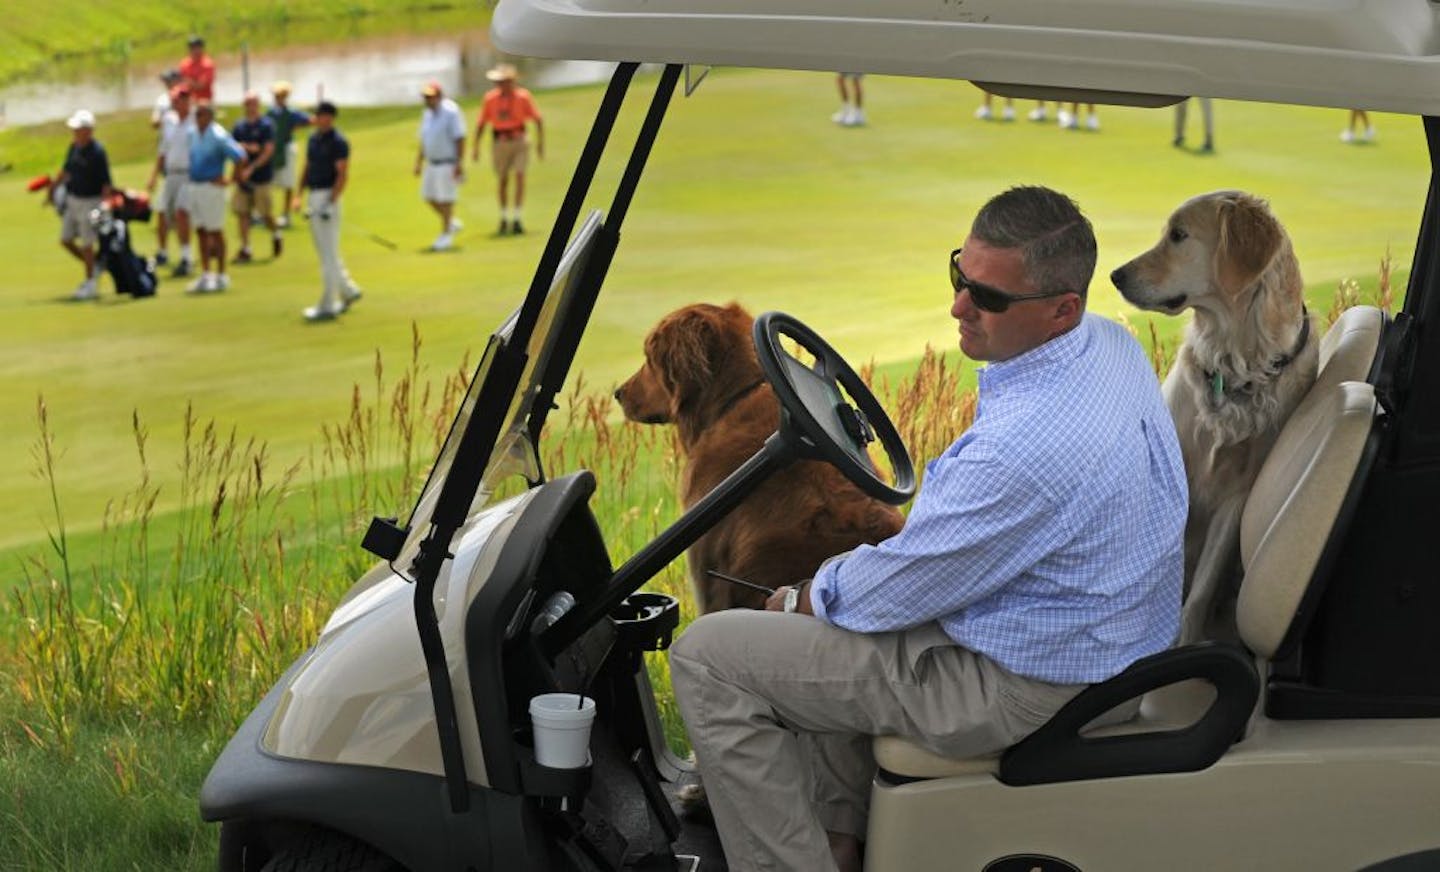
(506, 109)
(198, 70)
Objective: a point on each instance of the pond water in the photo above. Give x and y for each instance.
(370, 71)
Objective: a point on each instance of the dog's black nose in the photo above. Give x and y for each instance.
(1118, 277)
(618, 392)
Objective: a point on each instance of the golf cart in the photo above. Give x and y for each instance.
(403, 739)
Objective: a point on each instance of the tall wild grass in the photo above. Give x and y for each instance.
(187, 616)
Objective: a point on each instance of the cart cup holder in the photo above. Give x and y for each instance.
(646, 621)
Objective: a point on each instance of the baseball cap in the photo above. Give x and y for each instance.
(81, 118)
(430, 89)
(195, 39)
(280, 87)
(170, 75)
(325, 107)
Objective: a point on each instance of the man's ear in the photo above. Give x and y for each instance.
(1250, 237)
(1069, 308)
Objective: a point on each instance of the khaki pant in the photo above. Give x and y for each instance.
(254, 201)
(325, 233)
(510, 154)
(781, 708)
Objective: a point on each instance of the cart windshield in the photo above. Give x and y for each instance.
(514, 462)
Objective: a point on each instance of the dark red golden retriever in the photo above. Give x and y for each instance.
(701, 374)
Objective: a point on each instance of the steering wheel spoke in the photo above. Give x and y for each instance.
(819, 419)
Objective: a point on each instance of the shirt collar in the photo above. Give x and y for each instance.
(1056, 352)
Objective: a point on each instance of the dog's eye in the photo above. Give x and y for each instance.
(1178, 235)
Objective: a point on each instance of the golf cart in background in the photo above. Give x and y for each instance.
(402, 739)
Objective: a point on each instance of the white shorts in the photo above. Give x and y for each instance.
(172, 196)
(75, 223)
(206, 206)
(438, 183)
(284, 178)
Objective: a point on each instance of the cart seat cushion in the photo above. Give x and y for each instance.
(1347, 351)
(1293, 507)
(1167, 708)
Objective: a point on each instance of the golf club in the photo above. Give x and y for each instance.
(351, 225)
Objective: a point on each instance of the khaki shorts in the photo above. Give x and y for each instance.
(284, 177)
(438, 183)
(206, 205)
(255, 201)
(75, 223)
(510, 155)
(172, 196)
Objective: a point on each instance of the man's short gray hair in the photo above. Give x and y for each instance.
(1055, 240)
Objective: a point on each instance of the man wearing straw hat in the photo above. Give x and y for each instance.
(506, 109)
(286, 154)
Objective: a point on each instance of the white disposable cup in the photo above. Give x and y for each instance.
(562, 729)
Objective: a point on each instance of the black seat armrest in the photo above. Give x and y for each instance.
(1058, 752)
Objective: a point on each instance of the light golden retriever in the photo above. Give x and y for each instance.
(1250, 354)
(701, 374)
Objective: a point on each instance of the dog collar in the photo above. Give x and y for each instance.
(1216, 378)
(738, 396)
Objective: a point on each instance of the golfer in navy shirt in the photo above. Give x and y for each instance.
(327, 169)
(86, 177)
(256, 134)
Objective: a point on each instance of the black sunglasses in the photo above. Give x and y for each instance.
(987, 297)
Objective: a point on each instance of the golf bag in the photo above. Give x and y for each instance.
(133, 274)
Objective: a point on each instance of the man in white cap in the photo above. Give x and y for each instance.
(286, 156)
(440, 161)
(86, 177)
(506, 109)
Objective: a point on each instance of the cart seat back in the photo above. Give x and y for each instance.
(1302, 495)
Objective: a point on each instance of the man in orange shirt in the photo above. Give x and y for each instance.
(198, 70)
(506, 109)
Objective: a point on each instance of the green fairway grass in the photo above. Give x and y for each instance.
(752, 194)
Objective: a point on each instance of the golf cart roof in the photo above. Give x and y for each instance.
(1363, 54)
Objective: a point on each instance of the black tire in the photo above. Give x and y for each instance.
(317, 850)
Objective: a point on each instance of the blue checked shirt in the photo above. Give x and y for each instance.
(1049, 536)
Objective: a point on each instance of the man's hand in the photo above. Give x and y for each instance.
(417, 166)
(459, 170)
(776, 601)
(150, 184)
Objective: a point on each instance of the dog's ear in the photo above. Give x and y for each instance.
(1250, 237)
(681, 347)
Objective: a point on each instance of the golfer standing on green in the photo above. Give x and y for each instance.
(327, 168)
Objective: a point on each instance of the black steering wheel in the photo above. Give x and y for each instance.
(813, 409)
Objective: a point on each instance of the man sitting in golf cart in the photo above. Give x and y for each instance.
(1043, 554)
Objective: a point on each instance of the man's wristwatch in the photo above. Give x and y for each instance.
(792, 597)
